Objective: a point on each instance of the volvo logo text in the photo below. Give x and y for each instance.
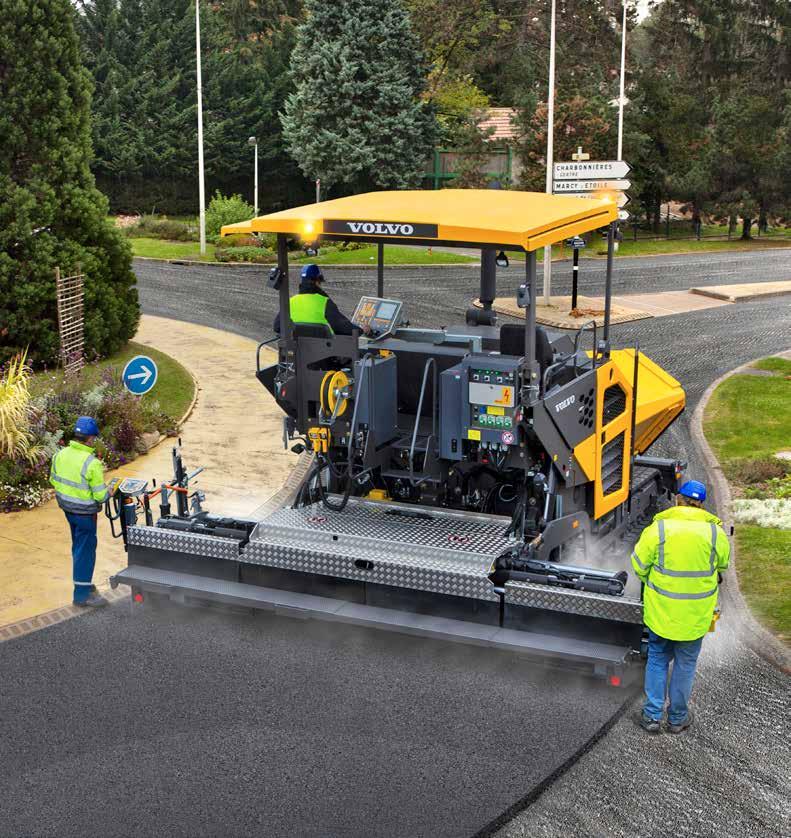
(380, 228)
(565, 403)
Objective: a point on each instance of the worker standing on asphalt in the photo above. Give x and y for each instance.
(678, 558)
(312, 305)
(78, 478)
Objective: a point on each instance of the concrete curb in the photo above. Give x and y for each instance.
(58, 615)
(754, 635)
(346, 266)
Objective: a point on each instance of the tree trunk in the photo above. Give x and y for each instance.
(747, 224)
(763, 222)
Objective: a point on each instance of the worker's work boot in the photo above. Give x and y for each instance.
(94, 601)
(649, 725)
(681, 726)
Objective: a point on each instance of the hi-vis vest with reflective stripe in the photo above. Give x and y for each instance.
(78, 479)
(678, 558)
(309, 308)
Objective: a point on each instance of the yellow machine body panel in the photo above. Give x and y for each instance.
(605, 456)
(527, 220)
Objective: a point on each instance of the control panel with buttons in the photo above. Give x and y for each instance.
(492, 398)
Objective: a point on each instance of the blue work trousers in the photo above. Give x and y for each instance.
(683, 654)
(83, 553)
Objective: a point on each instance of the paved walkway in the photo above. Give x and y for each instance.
(234, 431)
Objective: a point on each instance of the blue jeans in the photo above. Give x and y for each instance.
(684, 655)
(83, 553)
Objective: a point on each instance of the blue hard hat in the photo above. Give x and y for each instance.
(311, 272)
(693, 489)
(86, 425)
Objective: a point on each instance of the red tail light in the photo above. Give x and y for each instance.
(614, 680)
(138, 597)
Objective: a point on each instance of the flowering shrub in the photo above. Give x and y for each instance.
(47, 422)
(777, 487)
(770, 512)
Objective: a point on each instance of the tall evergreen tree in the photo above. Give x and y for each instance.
(50, 210)
(356, 118)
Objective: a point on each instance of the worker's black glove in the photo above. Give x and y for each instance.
(719, 578)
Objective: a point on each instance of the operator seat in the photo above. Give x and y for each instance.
(512, 342)
(312, 330)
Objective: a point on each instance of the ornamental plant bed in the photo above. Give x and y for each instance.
(749, 445)
(38, 412)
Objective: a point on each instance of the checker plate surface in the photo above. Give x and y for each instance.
(585, 603)
(441, 551)
(193, 544)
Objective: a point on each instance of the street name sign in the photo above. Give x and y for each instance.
(139, 375)
(590, 169)
(577, 242)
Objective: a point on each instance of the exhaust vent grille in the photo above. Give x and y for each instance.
(612, 465)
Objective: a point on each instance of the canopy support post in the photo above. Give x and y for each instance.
(530, 323)
(488, 277)
(380, 270)
(285, 306)
(608, 284)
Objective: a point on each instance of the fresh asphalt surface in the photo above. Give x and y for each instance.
(192, 723)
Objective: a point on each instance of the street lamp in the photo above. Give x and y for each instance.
(254, 142)
(201, 183)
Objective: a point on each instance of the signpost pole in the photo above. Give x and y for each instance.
(550, 148)
(623, 80)
(608, 283)
(574, 277)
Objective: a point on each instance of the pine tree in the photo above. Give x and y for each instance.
(50, 210)
(356, 119)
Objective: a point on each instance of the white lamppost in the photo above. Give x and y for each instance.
(254, 142)
(201, 184)
(550, 148)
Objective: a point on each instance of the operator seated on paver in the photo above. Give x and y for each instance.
(78, 478)
(679, 558)
(313, 305)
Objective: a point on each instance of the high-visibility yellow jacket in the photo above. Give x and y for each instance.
(78, 478)
(309, 308)
(678, 558)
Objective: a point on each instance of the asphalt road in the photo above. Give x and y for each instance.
(238, 299)
(188, 723)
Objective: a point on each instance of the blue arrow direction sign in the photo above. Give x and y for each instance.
(139, 375)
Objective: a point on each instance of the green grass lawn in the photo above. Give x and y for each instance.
(162, 249)
(647, 248)
(748, 420)
(765, 575)
(394, 255)
(749, 416)
(174, 389)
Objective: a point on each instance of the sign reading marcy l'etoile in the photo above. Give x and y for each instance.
(397, 229)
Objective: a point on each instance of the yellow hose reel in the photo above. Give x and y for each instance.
(334, 393)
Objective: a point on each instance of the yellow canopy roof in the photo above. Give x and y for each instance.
(527, 220)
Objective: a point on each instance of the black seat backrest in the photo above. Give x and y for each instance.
(312, 330)
(512, 342)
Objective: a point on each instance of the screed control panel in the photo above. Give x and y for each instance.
(492, 395)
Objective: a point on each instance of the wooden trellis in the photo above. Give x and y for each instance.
(71, 323)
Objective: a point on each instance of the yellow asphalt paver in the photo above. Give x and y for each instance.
(235, 431)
